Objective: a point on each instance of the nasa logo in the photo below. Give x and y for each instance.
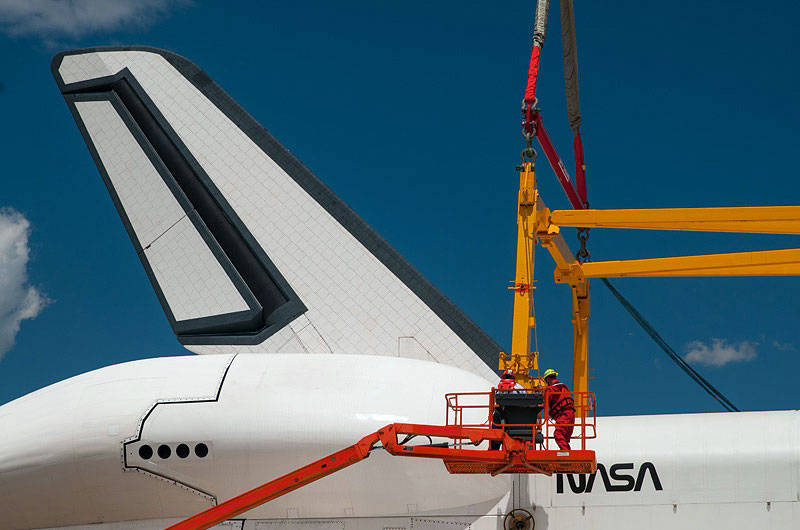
(625, 482)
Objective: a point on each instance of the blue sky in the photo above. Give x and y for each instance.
(410, 113)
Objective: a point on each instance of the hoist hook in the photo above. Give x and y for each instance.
(583, 254)
(529, 111)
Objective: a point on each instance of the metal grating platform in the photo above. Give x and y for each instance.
(548, 462)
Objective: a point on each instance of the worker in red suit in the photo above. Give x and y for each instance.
(561, 408)
(508, 383)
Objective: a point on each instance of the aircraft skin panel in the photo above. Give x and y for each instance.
(192, 280)
(308, 336)
(689, 459)
(722, 516)
(355, 292)
(75, 68)
(781, 516)
(151, 207)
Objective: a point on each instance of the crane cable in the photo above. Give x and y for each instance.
(686, 367)
(539, 33)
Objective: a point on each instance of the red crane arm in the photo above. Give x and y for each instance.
(577, 197)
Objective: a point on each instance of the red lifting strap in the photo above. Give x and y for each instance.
(533, 73)
(580, 169)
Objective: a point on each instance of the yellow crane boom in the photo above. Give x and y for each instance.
(747, 220)
(537, 224)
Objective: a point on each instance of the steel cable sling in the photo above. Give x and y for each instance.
(686, 367)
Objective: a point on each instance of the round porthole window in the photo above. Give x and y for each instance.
(201, 450)
(145, 452)
(164, 451)
(182, 451)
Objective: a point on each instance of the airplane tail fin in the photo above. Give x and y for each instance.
(246, 249)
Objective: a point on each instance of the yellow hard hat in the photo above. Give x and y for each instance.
(549, 372)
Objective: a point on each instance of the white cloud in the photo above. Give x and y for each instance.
(18, 300)
(782, 346)
(720, 352)
(76, 18)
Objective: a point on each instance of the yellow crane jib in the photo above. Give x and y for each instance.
(537, 224)
(758, 220)
(746, 220)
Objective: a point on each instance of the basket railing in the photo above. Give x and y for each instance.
(480, 410)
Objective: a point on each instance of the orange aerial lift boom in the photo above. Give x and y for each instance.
(468, 449)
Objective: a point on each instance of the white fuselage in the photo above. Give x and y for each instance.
(72, 453)
(110, 446)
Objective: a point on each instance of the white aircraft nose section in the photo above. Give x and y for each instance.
(278, 413)
(60, 447)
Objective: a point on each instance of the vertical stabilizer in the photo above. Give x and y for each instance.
(245, 248)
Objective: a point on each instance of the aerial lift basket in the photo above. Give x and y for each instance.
(523, 416)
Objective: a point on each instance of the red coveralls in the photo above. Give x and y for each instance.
(561, 408)
(507, 384)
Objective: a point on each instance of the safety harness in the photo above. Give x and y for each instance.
(566, 402)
